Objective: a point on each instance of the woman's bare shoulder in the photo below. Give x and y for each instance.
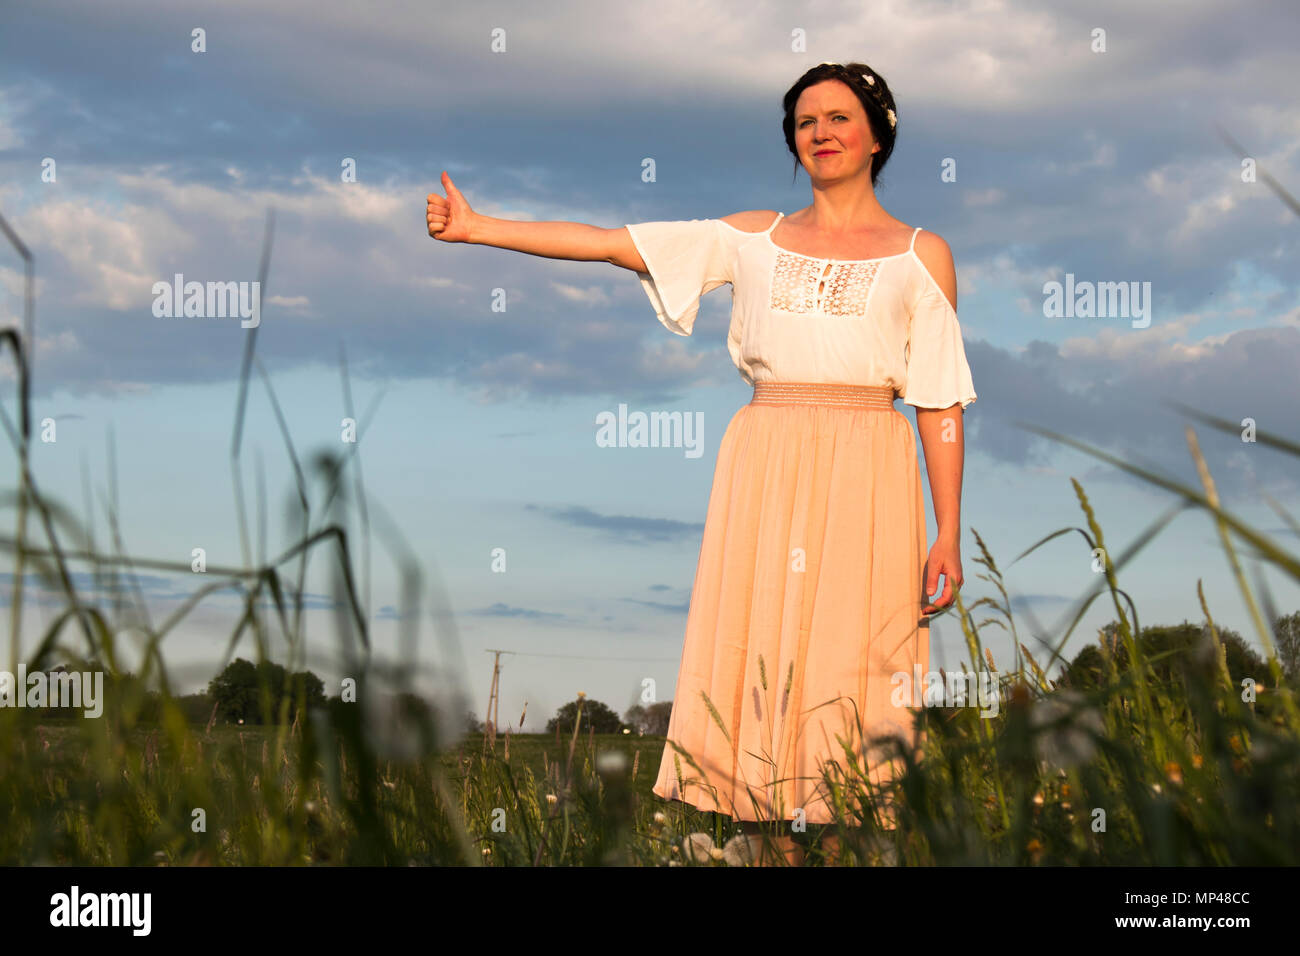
(932, 249)
(936, 256)
(753, 220)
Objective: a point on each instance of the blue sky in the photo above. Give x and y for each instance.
(1105, 165)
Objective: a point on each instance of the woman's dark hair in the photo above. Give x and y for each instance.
(875, 99)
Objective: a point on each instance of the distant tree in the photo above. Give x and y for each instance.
(1243, 660)
(472, 724)
(1286, 638)
(650, 720)
(196, 707)
(411, 705)
(1183, 646)
(237, 690)
(124, 687)
(595, 715)
(1085, 670)
(128, 688)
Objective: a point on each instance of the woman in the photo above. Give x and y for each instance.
(813, 578)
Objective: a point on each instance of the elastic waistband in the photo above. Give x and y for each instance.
(816, 393)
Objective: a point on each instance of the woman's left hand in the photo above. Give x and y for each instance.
(945, 559)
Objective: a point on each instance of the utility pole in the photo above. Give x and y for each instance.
(494, 698)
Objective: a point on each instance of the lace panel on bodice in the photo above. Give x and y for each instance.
(804, 285)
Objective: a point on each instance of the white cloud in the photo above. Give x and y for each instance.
(590, 295)
(111, 253)
(1101, 157)
(289, 301)
(983, 197)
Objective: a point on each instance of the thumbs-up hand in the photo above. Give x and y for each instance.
(449, 219)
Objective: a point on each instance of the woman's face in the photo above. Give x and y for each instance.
(829, 119)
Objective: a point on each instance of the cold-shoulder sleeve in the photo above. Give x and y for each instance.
(684, 260)
(937, 373)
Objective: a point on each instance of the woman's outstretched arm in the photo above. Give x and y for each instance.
(452, 220)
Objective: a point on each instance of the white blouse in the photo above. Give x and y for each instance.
(795, 318)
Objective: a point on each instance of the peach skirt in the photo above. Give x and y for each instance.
(807, 600)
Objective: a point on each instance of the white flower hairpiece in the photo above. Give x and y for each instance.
(871, 81)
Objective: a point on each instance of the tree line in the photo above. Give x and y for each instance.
(251, 694)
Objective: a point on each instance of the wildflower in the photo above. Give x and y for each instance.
(552, 799)
(737, 851)
(660, 817)
(1174, 773)
(893, 120)
(1155, 788)
(1196, 761)
(611, 763)
(697, 847)
(1038, 799)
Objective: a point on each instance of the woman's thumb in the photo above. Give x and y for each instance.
(449, 185)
